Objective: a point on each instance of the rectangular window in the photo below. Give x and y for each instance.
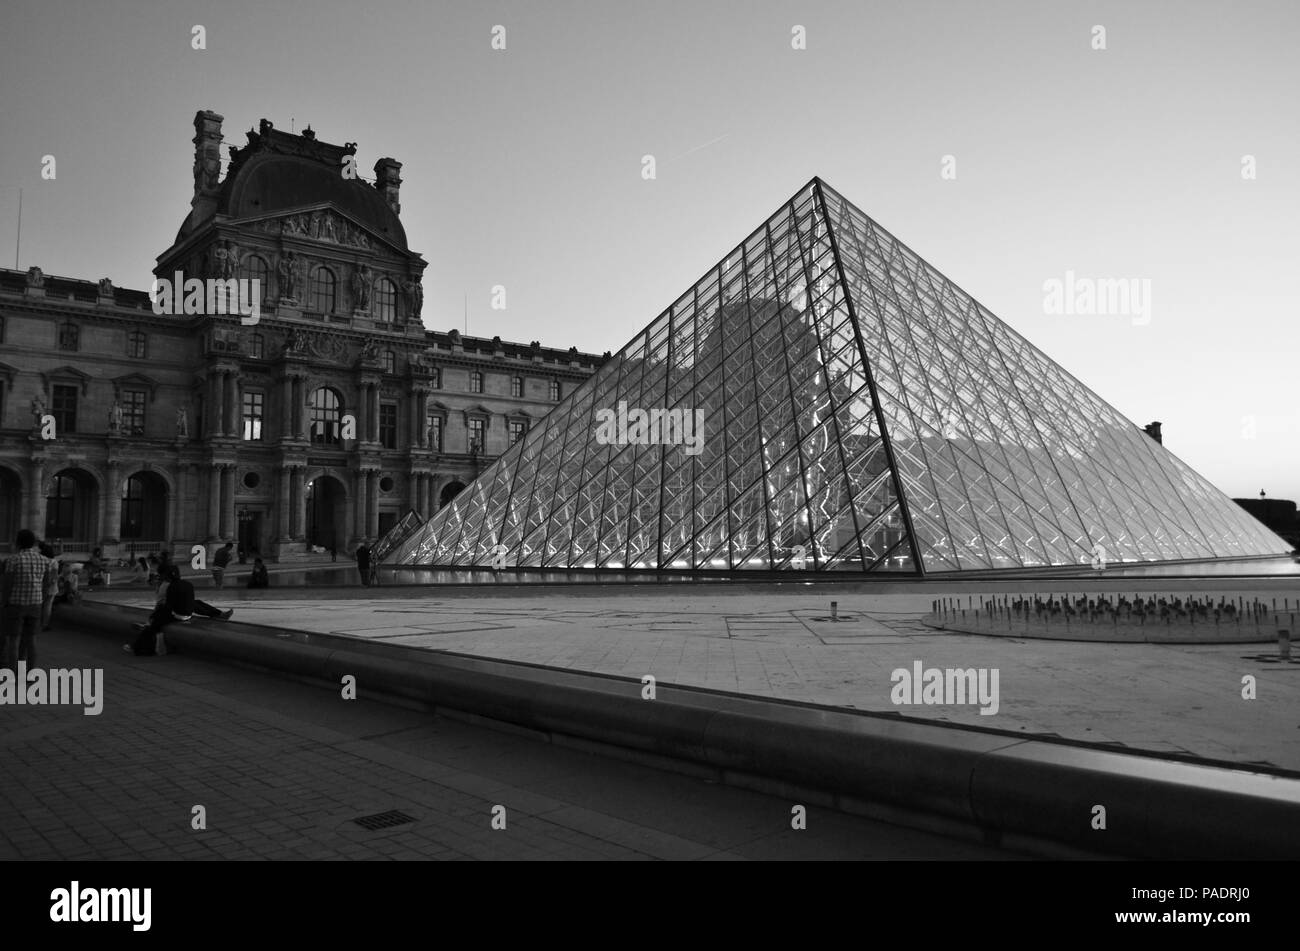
(254, 409)
(390, 362)
(475, 381)
(435, 433)
(69, 336)
(476, 428)
(388, 425)
(137, 344)
(133, 411)
(517, 429)
(555, 391)
(64, 408)
(516, 386)
(256, 347)
(435, 378)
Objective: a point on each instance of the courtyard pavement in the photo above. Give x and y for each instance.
(282, 770)
(1166, 698)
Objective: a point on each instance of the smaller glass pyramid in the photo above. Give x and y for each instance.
(825, 400)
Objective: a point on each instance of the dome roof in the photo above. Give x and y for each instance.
(279, 172)
(269, 182)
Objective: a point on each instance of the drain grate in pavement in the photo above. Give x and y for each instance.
(384, 820)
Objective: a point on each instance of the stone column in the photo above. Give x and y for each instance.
(214, 502)
(300, 407)
(229, 527)
(282, 511)
(372, 490)
(178, 513)
(216, 405)
(374, 412)
(233, 412)
(223, 394)
(36, 498)
(362, 504)
(300, 505)
(286, 409)
(417, 489)
(112, 524)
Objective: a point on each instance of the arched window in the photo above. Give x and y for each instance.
(390, 362)
(385, 301)
(256, 268)
(326, 414)
(322, 291)
(60, 507)
(144, 508)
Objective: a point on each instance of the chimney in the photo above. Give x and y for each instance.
(207, 162)
(388, 180)
(1153, 430)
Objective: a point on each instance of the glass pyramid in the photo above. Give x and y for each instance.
(824, 400)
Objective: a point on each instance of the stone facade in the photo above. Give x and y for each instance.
(320, 424)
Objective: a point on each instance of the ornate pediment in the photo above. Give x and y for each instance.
(137, 381)
(330, 348)
(321, 224)
(67, 374)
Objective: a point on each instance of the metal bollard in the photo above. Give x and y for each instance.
(835, 610)
(1284, 644)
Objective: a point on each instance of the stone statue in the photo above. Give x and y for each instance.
(35, 277)
(289, 272)
(206, 170)
(182, 423)
(315, 224)
(295, 342)
(115, 417)
(327, 230)
(230, 267)
(299, 274)
(370, 351)
(362, 278)
(38, 409)
(105, 287)
(414, 297)
(284, 271)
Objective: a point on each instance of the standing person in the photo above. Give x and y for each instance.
(47, 608)
(25, 588)
(219, 562)
(363, 562)
(95, 568)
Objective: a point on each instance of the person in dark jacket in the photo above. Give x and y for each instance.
(259, 578)
(363, 563)
(179, 604)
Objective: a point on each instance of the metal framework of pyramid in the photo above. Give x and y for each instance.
(857, 412)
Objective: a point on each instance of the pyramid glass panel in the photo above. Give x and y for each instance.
(823, 400)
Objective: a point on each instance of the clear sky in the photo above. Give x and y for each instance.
(523, 167)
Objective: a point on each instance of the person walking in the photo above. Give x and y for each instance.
(219, 562)
(363, 562)
(27, 583)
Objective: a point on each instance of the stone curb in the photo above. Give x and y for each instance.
(1002, 786)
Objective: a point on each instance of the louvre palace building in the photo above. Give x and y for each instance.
(315, 426)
